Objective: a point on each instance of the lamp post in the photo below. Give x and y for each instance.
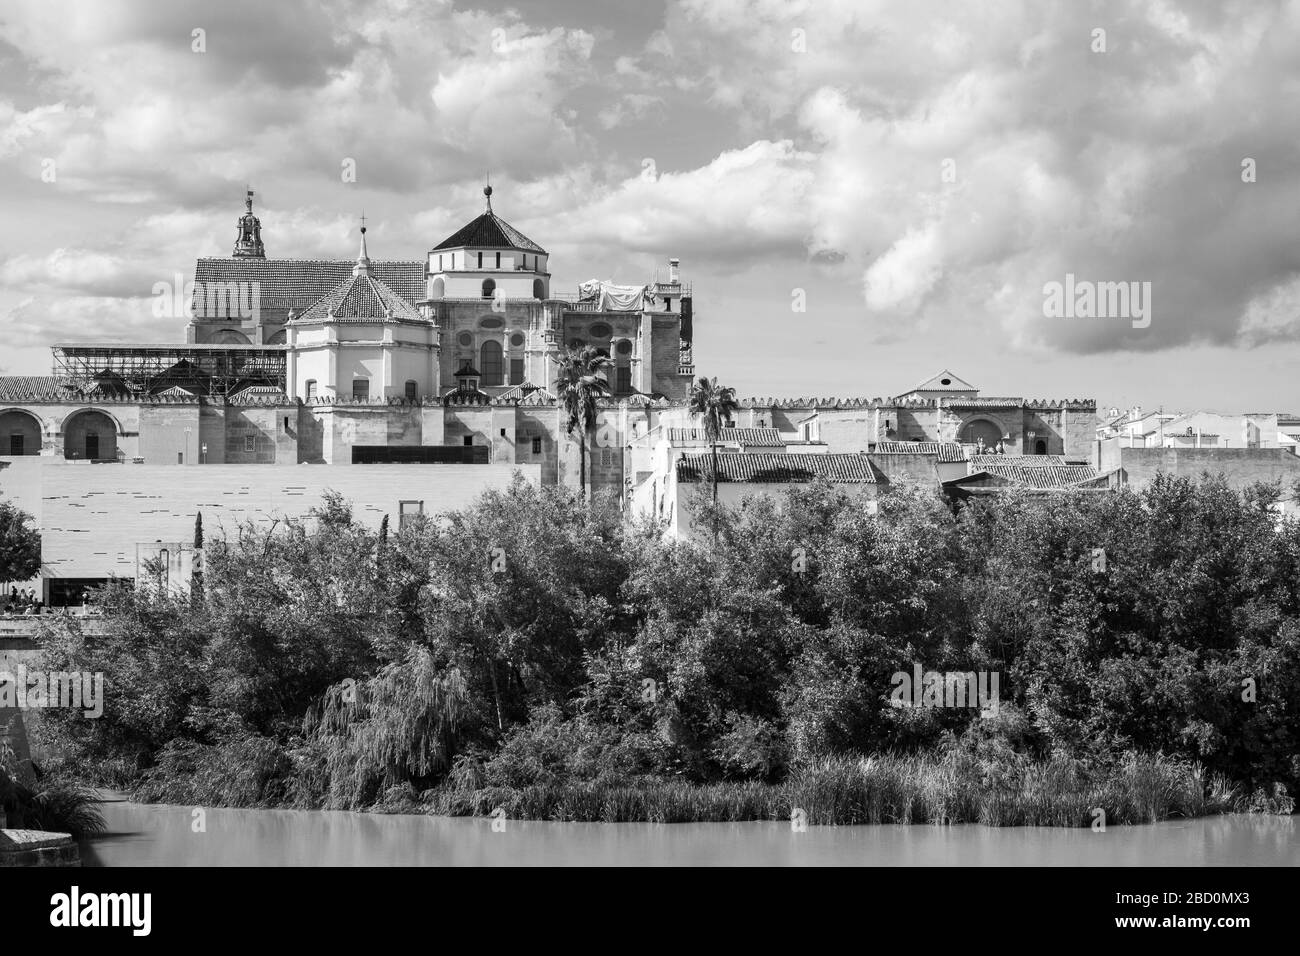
(186, 452)
(203, 454)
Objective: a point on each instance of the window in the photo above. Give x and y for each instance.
(360, 389)
(537, 445)
(180, 458)
(250, 443)
(623, 381)
(1040, 447)
(490, 362)
(468, 440)
(465, 339)
(311, 389)
(480, 260)
(412, 390)
(516, 340)
(498, 260)
(516, 371)
(668, 305)
(489, 288)
(440, 263)
(466, 363)
(503, 433)
(408, 511)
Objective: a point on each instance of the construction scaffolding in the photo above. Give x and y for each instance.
(213, 370)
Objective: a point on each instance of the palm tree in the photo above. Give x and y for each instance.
(715, 403)
(578, 386)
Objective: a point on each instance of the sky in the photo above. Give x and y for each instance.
(862, 193)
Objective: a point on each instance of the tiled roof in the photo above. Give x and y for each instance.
(361, 297)
(284, 284)
(17, 389)
(521, 391)
(1028, 461)
(756, 437)
(983, 402)
(778, 468)
(944, 450)
(489, 231)
(1049, 476)
(260, 395)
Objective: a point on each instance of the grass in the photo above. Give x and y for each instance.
(934, 789)
(54, 806)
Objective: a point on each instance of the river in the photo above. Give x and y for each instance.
(153, 835)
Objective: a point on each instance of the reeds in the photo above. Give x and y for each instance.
(937, 789)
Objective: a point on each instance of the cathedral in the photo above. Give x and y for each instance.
(432, 379)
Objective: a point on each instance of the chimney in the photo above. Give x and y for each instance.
(672, 270)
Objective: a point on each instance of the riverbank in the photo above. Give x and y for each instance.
(141, 835)
(942, 787)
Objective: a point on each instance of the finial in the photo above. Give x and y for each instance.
(487, 191)
(248, 200)
(363, 257)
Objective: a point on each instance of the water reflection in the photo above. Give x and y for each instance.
(142, 835)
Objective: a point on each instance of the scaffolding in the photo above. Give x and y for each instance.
(141, 370)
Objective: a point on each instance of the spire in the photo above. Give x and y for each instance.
(248, 238)
(362, 268)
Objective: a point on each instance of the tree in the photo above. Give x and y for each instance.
(715, 404)
(20, 545)
(578, 386)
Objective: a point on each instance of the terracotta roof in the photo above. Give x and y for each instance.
(33, 388)
(983, 402)
(778, 468)
(943, 450)
(1028, 461)
(284, 284)
(521, 391)
(489, 231)
(361, 297)
(1048, 476)
(756, 437)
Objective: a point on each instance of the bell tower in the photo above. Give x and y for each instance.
(248, 241)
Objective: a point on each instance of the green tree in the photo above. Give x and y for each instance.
(20, 545)
(579, 386)
(714, 404)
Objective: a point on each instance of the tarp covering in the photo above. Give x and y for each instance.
(615, 298)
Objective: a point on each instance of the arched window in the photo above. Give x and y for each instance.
(489, 288)
(229, 337)
(20, 433)
(539, 289)
(277, 339)
(490, 362)
(1040, 447)
(439, 288)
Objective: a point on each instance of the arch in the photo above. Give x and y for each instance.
(229, 337)
(490, 362)
(981, 428)
(489, 288)
(438, 289)
(279, 338)
(539, 289)
(1040, 447)
(20, 432)
(90, 433)
(622, 367)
